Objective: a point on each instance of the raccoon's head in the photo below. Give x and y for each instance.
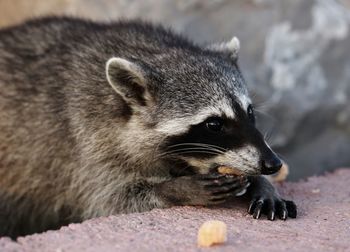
(194, 105)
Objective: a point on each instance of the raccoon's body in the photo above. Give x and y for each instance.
(99, 119)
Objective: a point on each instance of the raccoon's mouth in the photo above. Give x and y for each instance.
(232, 171)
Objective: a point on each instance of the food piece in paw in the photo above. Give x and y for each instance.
(233, 172)
(212, 232)
(229, 171)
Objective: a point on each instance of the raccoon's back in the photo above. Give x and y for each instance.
(35, 142)
(29, 92)
(52, 70)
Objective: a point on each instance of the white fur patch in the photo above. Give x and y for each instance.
(234, 45)
(182, 124)
(231, 46)
(134, 70)
(245, 101)
(123, 64)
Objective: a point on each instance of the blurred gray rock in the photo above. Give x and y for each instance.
(295, 57)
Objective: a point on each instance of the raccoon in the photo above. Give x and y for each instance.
(107, 118)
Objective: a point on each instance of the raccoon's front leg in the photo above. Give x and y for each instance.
(265, 199)
(208, 189)
(144, 195)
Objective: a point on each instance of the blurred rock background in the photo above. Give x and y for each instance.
(295, 56)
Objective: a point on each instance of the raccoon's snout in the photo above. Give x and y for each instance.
(271, 165)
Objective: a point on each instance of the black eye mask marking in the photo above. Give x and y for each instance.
(215, 124)
(251, 114)
(202, 142)
(215, 136)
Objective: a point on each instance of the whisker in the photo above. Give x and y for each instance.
(197, 144)
(184, 150)
(155, 151)
(200, 148)
(268, 135)
(283, 157)
(263, 103)
(193, 148)
(263, 113)
(191, 151)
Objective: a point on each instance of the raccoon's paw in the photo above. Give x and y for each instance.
(272, 205)
(204, 190)
(218, 188)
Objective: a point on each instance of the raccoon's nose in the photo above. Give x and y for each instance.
(271, 165)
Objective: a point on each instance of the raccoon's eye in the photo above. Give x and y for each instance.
(215, 124)
(250, 112)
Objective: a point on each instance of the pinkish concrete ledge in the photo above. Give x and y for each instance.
(323, 224)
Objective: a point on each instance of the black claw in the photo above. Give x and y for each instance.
(282, 210)
(257, 213)
(271, 215)
(271, 204)
(258, 208)
(251, 206)
(270, 207)
(266, 200)
(284, 215)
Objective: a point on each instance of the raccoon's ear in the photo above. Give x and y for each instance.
(128, 80)
(231, 47)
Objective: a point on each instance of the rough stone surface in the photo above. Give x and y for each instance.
(295, 56)
(323, 224)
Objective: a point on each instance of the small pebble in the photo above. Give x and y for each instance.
(315, 190)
